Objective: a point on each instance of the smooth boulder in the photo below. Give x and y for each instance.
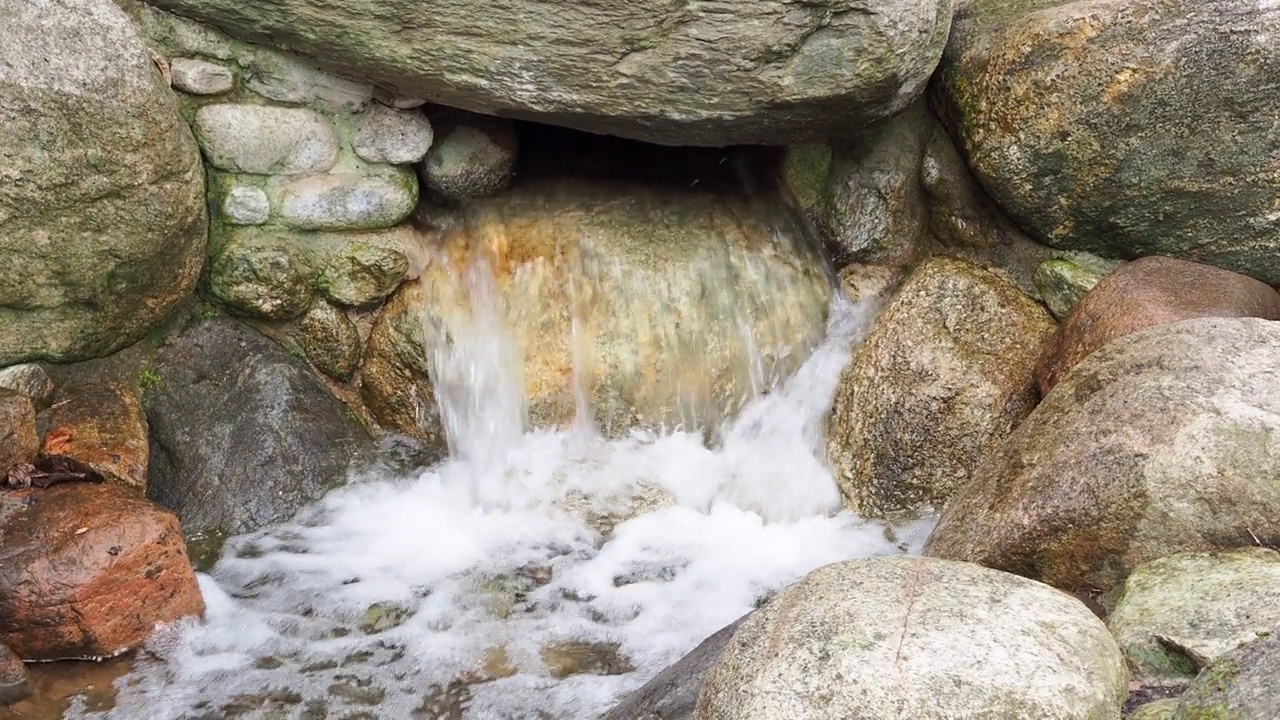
(1124, 127)
(919, 638)
(102, 205)
(1150, 291)
(943, 376)
(89, 571)
(766, 72)
(1160, 442)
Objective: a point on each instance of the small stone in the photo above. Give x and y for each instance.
(245, 205)
(29, 379)
(579, 657)
(262, 275)
(330, 341)
(96, 593)
(266, 140)
(1158, 710)
(391, 136)
(1062, 281)
(106, 432)
(383, 616)
(362, 274)
(18, 441)
(349, 201)
(15, 684)
(395, 100)
(201, 77)
(473, 156)
(287, 78)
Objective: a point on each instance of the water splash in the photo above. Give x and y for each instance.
(456, 591)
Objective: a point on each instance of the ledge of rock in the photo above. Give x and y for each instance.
(89, 570)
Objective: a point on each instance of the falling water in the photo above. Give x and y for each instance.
(460, 591)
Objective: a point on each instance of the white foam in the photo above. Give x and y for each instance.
(747, 519)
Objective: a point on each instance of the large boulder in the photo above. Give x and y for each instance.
(1145, 292)
(943, 376)
(1239, 686)
(102, 208)
(911, 637)
(242, 433)
(643, 307)
(89, 570)
(1180, 613)
(1163, 441)
(769, 71)
(1124, 127)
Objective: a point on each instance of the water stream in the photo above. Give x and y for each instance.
(532, 575)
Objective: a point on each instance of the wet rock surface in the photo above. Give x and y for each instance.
(15, 684)
(101, 427)
(673, 693)
(18, 440)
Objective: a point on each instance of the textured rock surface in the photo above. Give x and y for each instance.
(102, 209)
(363, 273)
(201, 77)
(242, 433)
(920, 638)
(330, 340)
(29, 379)
(258, 273)
(1146, 292)
(89, 570)
(266, 140)
(398, 137)
(1239, 686)
(1125, 128)
(943, 376)
(14, 682)
(1163, 441)
(1063, 280)
(18, 441)
(1180, 613)
(105, 431)
(662, 284)
(673, 693)
(711, 74)
(246, 205)
(349, 201)
(472, 155)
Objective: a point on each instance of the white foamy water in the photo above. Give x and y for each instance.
(492, 556)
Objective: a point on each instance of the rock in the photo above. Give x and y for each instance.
(29, 379)
(102, 205)
(637, 298)
(18, 441)
(177, 35)
(1146, 292)
(767, 72)
(1064, 280)
(288, 78)
(1239, 686)
(1161, 442)
(1064, 112)
(201, 77)
(246, 205)
(360, 274)
(920, 638)
(330, 341)
(943, 376)
(89, 571)
(105, 431)
(265, 140)
(565, 658)
(14, 682)
(261, 274)
(395, 100)
(242, 433)
(1158, 710)
(1177, 614)
(472, 156)
(867, 282)
(349, 201)
(673, 693)
(960, 214)
(399, 137)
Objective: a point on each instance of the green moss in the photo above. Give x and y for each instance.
(148, 380)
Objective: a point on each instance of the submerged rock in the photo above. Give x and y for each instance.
(102, 205)
(919, 638)
(89, 571)
(764, 72)
(943, 376)
(1160, 442)
(659, 308)
(1067, 114)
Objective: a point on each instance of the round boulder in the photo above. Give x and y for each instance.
(1163, 441)
(908, 637)
(1125, 127)
(102, 206)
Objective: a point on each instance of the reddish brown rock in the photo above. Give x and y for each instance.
(14, 682)
(1150, 291)
(101, 426)
(17, 430)
(89, 570)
